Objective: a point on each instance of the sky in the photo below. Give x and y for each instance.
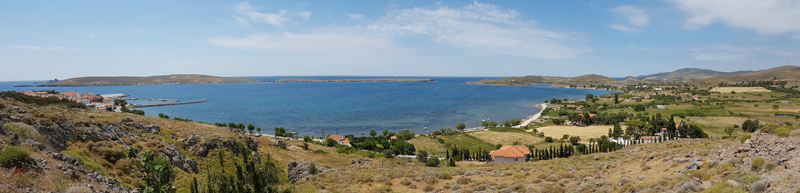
(64, 39)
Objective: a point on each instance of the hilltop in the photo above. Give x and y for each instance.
(147, 80)
(527, 80)
(781, 73)
(685, 74)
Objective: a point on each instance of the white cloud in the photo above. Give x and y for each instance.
(276, 19)
(764, 16)
(480, 28)
(129, 49)
(797, 37)
(46, 48)
(726, 52)
(356, 16)
(624, 28)
(320, 42)
(636, 16)
(242, 21)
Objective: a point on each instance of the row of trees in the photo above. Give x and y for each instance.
(240, 126)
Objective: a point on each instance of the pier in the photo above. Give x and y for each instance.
(153, 99)
(166, 104)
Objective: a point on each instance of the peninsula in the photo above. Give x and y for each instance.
(357, 80)
(556, 81)
(143, 80)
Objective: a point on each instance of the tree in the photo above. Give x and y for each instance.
(589, 97)
(558, 121)
(774, 107)
(565, 137)
(331, 142)
(386, 132)
(616, 98)
(372, 133)
(232, 125)
(157, 173)
(432, 162)
(259, 130)
(240, 126)
(750, 125)
(461, 126)
(574, 140)
(617, 131)
(548, 139)
(447, 130)
(639, 108)
(388, 153)
(729, 131)
(251, 127)
(422, 156)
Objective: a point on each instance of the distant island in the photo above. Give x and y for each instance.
(685, 74)
(556, 81)
(143, 80)
(357, 80)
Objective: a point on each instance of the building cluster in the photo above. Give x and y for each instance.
(89, 99)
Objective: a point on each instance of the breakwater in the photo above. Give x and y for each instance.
(167, 104)
(153, 99)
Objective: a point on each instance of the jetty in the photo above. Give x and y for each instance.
(166, 104)
(153, 99)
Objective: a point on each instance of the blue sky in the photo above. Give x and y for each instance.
(63, 39)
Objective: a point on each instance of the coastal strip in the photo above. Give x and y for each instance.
(533, 117)
(167, 104)
(358, 80)
(152, 99)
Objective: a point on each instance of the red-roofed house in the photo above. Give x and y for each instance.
(393, 137)
(513, 153)
(575, 106)
(341, 139)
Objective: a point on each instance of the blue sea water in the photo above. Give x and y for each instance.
(343, 107)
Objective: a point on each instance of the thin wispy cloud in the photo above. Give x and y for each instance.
(46, 48)
(276, 19)
(129, 49)
(624, 28)
(763, 16)
(726, 52)
(356, 16)
(481, 28)
(635, 15)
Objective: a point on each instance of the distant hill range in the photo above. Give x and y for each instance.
(146, 80)
(685, 74)
(527, 80)
(781, 73)
(357, 80)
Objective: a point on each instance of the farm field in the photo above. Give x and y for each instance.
(583, 132)
(740, 89)
(506, 138)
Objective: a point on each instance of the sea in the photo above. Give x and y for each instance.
(311, 108)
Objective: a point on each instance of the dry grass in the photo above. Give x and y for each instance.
(427, 144)
(583, 132)
(740, 89)
(506, 138)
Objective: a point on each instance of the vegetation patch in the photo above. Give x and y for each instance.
(13, 156)
(86, 162)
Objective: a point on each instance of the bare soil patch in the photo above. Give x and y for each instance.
(506, 138)
(584, 132)
(740, 89)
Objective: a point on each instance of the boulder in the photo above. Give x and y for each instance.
(154, 129)
(298, 170)
(233, 145)
(187, 165)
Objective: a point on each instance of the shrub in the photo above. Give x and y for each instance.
(13, 156)
(463, 180)
(553, 178)
(749, 179)
(405, 182)
(444, 176)
(745, 137)
(759, 187)
(427, 188)
(422, 156)
(757, 163)
(783, 131)
(388, 153)
(432, 162)
(320, 152)
(312, 169)
(548, 139)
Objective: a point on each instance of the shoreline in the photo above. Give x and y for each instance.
(533, 117)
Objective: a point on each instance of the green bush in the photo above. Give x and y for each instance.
(86, 162)
(745, 137)
(757, 163)
(388, 153)
(749, 179)
(432, 162)
(13, 156)
(783, 131)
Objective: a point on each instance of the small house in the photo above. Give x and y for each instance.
(634, 98)
(513, 153)
(657, 89)
(695, 97)
(785, 102)
(341, 139)
(661, 107)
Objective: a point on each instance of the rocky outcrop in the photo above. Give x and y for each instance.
(233, 145)
(187, 165)
(785, 151)
(73, 169)
(298, 170)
